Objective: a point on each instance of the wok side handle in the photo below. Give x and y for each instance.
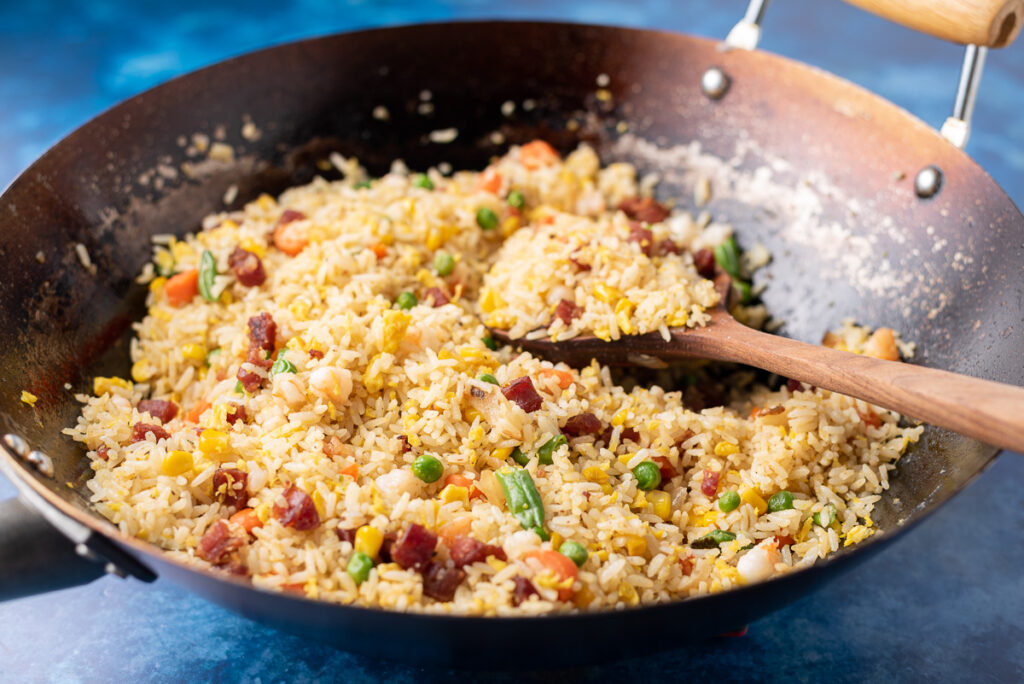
(988, 23)
(35, 557)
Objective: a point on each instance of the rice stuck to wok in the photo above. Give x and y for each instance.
(315, 403)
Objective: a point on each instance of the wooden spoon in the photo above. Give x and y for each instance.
(991, 412)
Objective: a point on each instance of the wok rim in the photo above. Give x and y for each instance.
(841, 560)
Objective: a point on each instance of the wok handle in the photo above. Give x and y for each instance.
(35, 557)
(989, 23)
(991, 412)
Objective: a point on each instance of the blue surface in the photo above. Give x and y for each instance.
(946, 602)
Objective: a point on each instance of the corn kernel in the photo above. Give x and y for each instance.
(435, 238)
(726, 449)
(661, 502)
(639, 502)
(635, 545)
(263, 512)
(257, 248)
(502, 453)
(226, 297)
(594, 474)
(584, 597)
(193, 352)
(212, 442)
(369, 540)
(750, 496)
(556, 540)
(156, 285)
(28, 398)
(141, 371)
(176, 463)
(805, 530)
(266, 202)
(509, 226)
(496, 563)
(455, 493)
(627, 592)
(101, 386)
(475, 434)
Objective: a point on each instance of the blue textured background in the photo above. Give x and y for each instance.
(946, 602)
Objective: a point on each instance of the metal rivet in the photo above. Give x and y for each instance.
(714, 83)
(928, 181)
(41, 461)
(16, 444)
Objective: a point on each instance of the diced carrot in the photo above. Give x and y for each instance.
(351, 470)
(563, 378)
(558, 563)
(870, 418)
(460, 527)
(247, 518)
(538, 153)
(182, 287)
(489, 181)
(380, 250)
(461, 481)
(295, 588)
(291, 237)
(193, 413)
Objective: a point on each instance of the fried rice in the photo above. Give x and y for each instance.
(302, 359)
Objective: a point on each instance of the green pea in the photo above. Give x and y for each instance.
(516, 200)
(490, 342)
(359, 566)
(548, 448)
(427, 468)
(405, 300)
(729, 501)
(212, 355)
(238, 387)
(648, 475)
(487, 377)
(826, 516)
(282, 365)
(444, 263)
(486, 218)
(362, 185)
(519, 457)
(422, 180)
(575, 551)
(780, 501)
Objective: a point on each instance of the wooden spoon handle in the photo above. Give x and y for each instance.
(988, 411)
(994, 23)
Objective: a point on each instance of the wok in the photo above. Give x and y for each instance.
(944, 269)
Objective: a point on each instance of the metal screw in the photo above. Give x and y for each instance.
(928, 181)
(714, 83)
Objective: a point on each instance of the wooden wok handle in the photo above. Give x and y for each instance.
(988, 411)
(991, 23)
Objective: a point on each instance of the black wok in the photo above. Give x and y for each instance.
(119, 179)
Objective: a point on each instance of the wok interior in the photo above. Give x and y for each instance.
(128, 175)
